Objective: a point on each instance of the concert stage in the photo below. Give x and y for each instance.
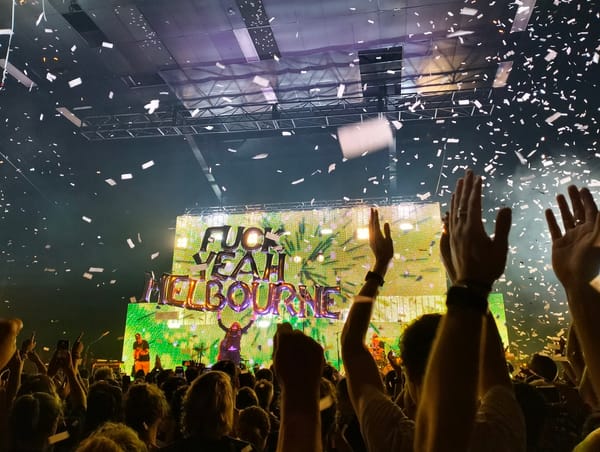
(300, 266)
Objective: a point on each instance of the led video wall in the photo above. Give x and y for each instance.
(257, 269)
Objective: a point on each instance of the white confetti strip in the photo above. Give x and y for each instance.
(126, 176)
(154, 255)
(110, 182)
(95, 269)
(87, 275)
(148, 164)
(107, 45)
(86, 219)
(298, 181)
(130, 243)
(75, 82)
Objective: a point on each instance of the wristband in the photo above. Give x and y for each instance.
(467, 298)
(377, 277)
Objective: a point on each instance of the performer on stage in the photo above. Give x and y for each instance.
(141, 355)
(229, 348)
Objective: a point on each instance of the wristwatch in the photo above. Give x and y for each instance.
(467, 297)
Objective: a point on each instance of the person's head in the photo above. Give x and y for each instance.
(264, 374)
(37, 383)
(415, 346)
(121, 434)
(103, 373)
(245, 397)
(99, 444)
(254, 426)
(247, 379)
(144, 406)
(544, 367)
(235, 327)
(208, 406)
(230, 369)
(104, 403)
(138, 338)
(264, 393)
(32, 419)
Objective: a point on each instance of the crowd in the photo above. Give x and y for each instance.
(451, 390)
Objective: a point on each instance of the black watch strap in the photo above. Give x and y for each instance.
(464, 297)
(376, 276)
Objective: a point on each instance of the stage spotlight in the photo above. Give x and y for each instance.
(297, 259)
(252, 239)
(362, 233)
(181, 242)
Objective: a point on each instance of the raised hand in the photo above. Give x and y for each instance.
(297, 359)
(380, 243)
(445, 250)
(476, 258)
(575, 254)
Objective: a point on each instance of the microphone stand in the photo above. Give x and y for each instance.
(86, 364)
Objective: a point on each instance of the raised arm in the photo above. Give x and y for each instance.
(576, 263)
(446, 413)
(361, 371)
(9, 329)
(250, 323)
(298, 362)
(220, 323)
(493, 370)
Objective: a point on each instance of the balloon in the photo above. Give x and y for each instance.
(239, 285)
(170, 289)
(255, 306)
(305, 298)
(151, 286)
(276, 299)
(218, 295)
(327, 301)
(278, 269)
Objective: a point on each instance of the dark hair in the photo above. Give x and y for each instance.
(254, 426)
(543, 366)
(264, 392)
(103, 404)
(264, 374)
(208, 406)
(33, 418)
(245, 398)
(144, 404)
(230, 369)
(247, 379)
(416, 344)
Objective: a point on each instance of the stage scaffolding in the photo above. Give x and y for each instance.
(288, 116)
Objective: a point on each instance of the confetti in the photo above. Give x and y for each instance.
(75, 82)
(86, 219)
(110, 182)
(148, 164)
(358, 139)
(87, 275)
(130, 243)
(126, 176)
(298, 181)
(107, 45)
(154, 255)
(95, 270)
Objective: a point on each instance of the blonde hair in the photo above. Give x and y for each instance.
(208, 406)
